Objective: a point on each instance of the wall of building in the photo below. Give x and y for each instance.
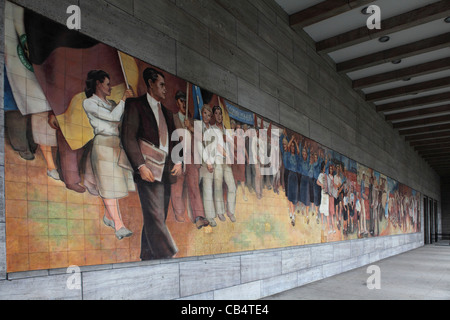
(245, 52)
(445, 213)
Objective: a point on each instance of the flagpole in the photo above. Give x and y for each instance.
(123, 70)
(187, 100)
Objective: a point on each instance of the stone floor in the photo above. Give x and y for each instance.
(421, 274)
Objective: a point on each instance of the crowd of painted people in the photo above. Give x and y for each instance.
(318, 184)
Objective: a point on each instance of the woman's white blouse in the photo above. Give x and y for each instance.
(105, 118)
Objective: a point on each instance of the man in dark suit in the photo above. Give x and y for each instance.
(145, 118)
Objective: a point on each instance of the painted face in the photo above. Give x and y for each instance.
(292, 148)
(206, 116)
(158, 89)
(239, 130)
(218, 116)
(181, 103)
(104, 87)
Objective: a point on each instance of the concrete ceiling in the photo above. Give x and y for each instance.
(414, 94)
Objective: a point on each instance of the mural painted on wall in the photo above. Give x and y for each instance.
(98, 172)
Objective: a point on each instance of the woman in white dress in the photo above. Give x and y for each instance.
(322, 181)
(112, 181)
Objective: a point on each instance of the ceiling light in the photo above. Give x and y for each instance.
(447, 19)
(384, 39)
(397, 61)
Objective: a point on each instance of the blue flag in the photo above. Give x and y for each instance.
(198, 102)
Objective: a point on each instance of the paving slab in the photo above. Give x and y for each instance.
(420, 274)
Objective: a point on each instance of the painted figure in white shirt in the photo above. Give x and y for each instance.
(111, 181)
(222, 170)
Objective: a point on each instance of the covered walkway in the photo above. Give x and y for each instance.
(421, 274)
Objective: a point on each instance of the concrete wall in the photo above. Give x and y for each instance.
(445, 189)
(245, 52)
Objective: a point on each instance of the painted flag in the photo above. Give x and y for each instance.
(61, 59)
(239, 114)
(226, 117)
(25, 89)
(197, 100)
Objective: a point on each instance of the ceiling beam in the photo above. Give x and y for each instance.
(429, 142)
(417, 113)
(396, 75)
(323, 10)
(429, 129)
(437, 159)
(440, 170)
(433, 147)
(444, 161)
(435, 154)
(425, 136)
(434, 11)
(421, 122)
(441, 167)
(438, 162)
(410, 89)
(440, 97)
(407, 50)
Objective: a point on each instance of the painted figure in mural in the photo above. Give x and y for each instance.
(240, 153)
(382, 201)
(313, 159)
(45, 136)
(290, 174)
(303, 165)
(206, 171)
(324, 212)
(264, 149)
(339, 186)
(363, 199)
(69, 160)
(255, 163)
(187, 182)
(277, 177)
(318, 159)
(145, 118)
(371, 204)
(345, 208)
(332, 191)
(376, 205)
(251, 178)
(222, 170)
(352, 209)
(112, 182)
(251, 175)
